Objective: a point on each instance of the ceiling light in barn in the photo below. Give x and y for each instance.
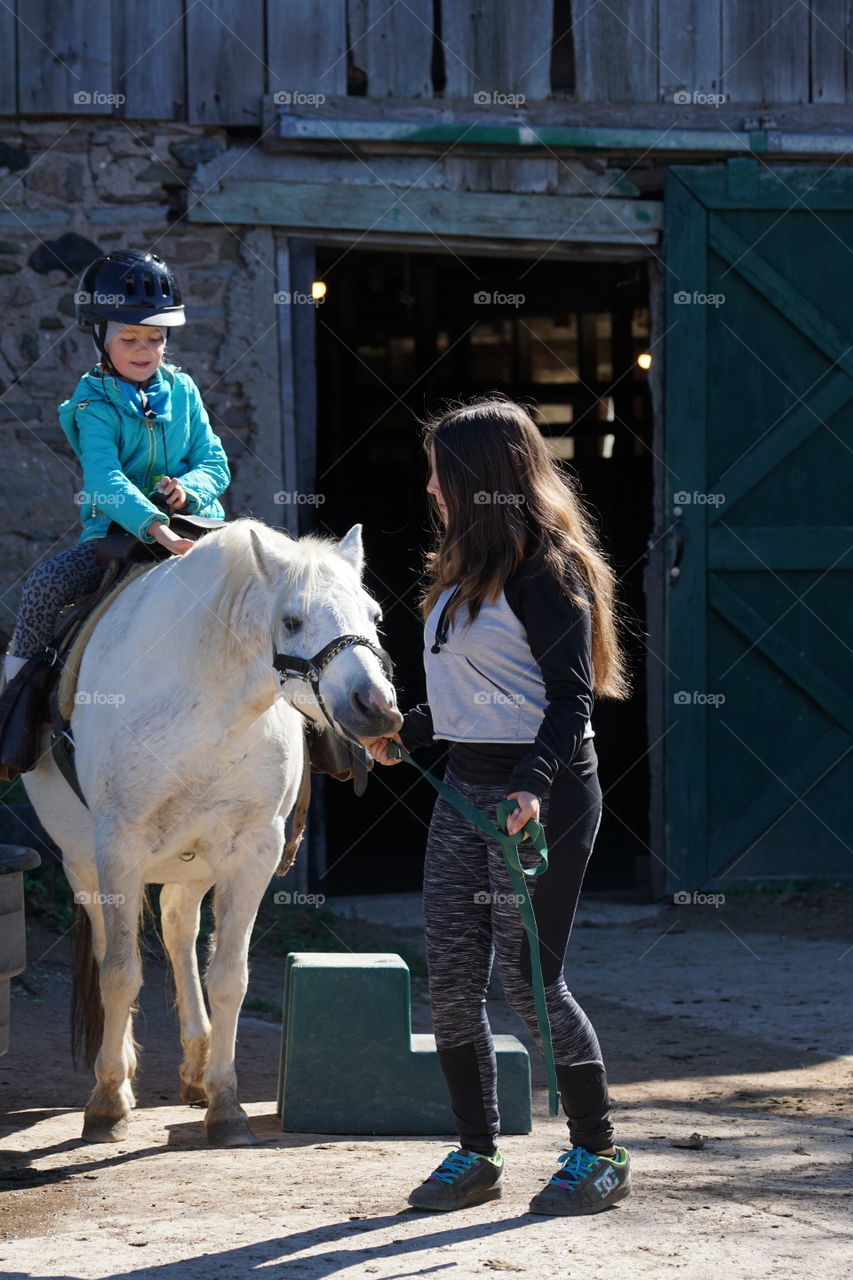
(644, 360)
(318, 290)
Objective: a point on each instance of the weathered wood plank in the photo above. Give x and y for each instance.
(226, 64)
(396, 48)
(148, 60)
(9, 54)
(616, 53)
(64, 63)
(497, 50)
(831, 47)
(765, 51)
(307, 47)
(689, 53)
(447, 213)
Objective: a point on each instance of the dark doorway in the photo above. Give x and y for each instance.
(399, 334)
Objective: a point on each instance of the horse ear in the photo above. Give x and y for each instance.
(258, 557)
(351, 548)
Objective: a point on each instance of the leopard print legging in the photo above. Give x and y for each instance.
(52, 585)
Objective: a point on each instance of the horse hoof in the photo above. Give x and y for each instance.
(194, 1095)
(103, 1129)
(230, 1133)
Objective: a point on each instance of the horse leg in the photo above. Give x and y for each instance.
(236, 905)
(105, 1118)
(180, 906)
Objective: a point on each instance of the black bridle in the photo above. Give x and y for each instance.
(291, 667)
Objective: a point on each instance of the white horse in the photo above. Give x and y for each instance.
(189, 750)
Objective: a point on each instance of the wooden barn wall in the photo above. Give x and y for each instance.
(212, 63)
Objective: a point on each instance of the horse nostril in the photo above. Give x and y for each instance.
(361, 705)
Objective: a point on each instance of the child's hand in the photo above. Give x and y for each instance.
(161, 533)
(378, 748)
(173, 493)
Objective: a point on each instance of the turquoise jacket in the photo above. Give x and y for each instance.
(124, 454)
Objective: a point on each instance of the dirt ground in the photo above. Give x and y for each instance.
(731, 1022)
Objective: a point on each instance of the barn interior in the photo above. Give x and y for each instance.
(397, 335)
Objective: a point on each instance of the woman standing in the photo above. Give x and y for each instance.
(519, 636)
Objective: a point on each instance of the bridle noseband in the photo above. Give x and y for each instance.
(291, 667)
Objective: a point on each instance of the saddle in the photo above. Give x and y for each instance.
(30, 699)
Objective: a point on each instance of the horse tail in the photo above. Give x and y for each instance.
(87, 1011)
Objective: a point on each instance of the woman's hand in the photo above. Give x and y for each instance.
(173, 493)
(527, 807)
(378, 748)
(161, 533)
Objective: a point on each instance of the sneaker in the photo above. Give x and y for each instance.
(585, 1183)
(463, 1178)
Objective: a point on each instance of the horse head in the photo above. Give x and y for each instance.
(327, 647)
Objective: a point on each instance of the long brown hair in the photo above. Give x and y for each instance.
(507, 502)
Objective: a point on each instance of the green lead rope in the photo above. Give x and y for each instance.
(535, 833)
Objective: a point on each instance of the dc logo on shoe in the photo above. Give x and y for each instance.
(606, 1181)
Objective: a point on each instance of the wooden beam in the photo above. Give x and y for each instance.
(65, 65)
(319, 206)
(306, 48)
(497, 51)
(148, 60)
(226, 68)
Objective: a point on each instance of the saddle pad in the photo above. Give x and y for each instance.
(67, 687)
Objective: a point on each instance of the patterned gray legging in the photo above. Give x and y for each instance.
(470, 917)
(52, 585)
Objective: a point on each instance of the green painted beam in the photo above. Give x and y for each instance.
(780, 547)
(523, 136)
(506, 215)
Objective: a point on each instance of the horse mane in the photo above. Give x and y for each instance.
(258, 567)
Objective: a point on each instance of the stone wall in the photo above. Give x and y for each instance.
(68, 193)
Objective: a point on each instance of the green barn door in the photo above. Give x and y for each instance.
(759, 467)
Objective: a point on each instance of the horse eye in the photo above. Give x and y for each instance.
(291, 624)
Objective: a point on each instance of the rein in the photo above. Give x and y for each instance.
(535, 833)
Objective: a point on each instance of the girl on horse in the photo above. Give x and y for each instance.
(139, 428)
(520, 635)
